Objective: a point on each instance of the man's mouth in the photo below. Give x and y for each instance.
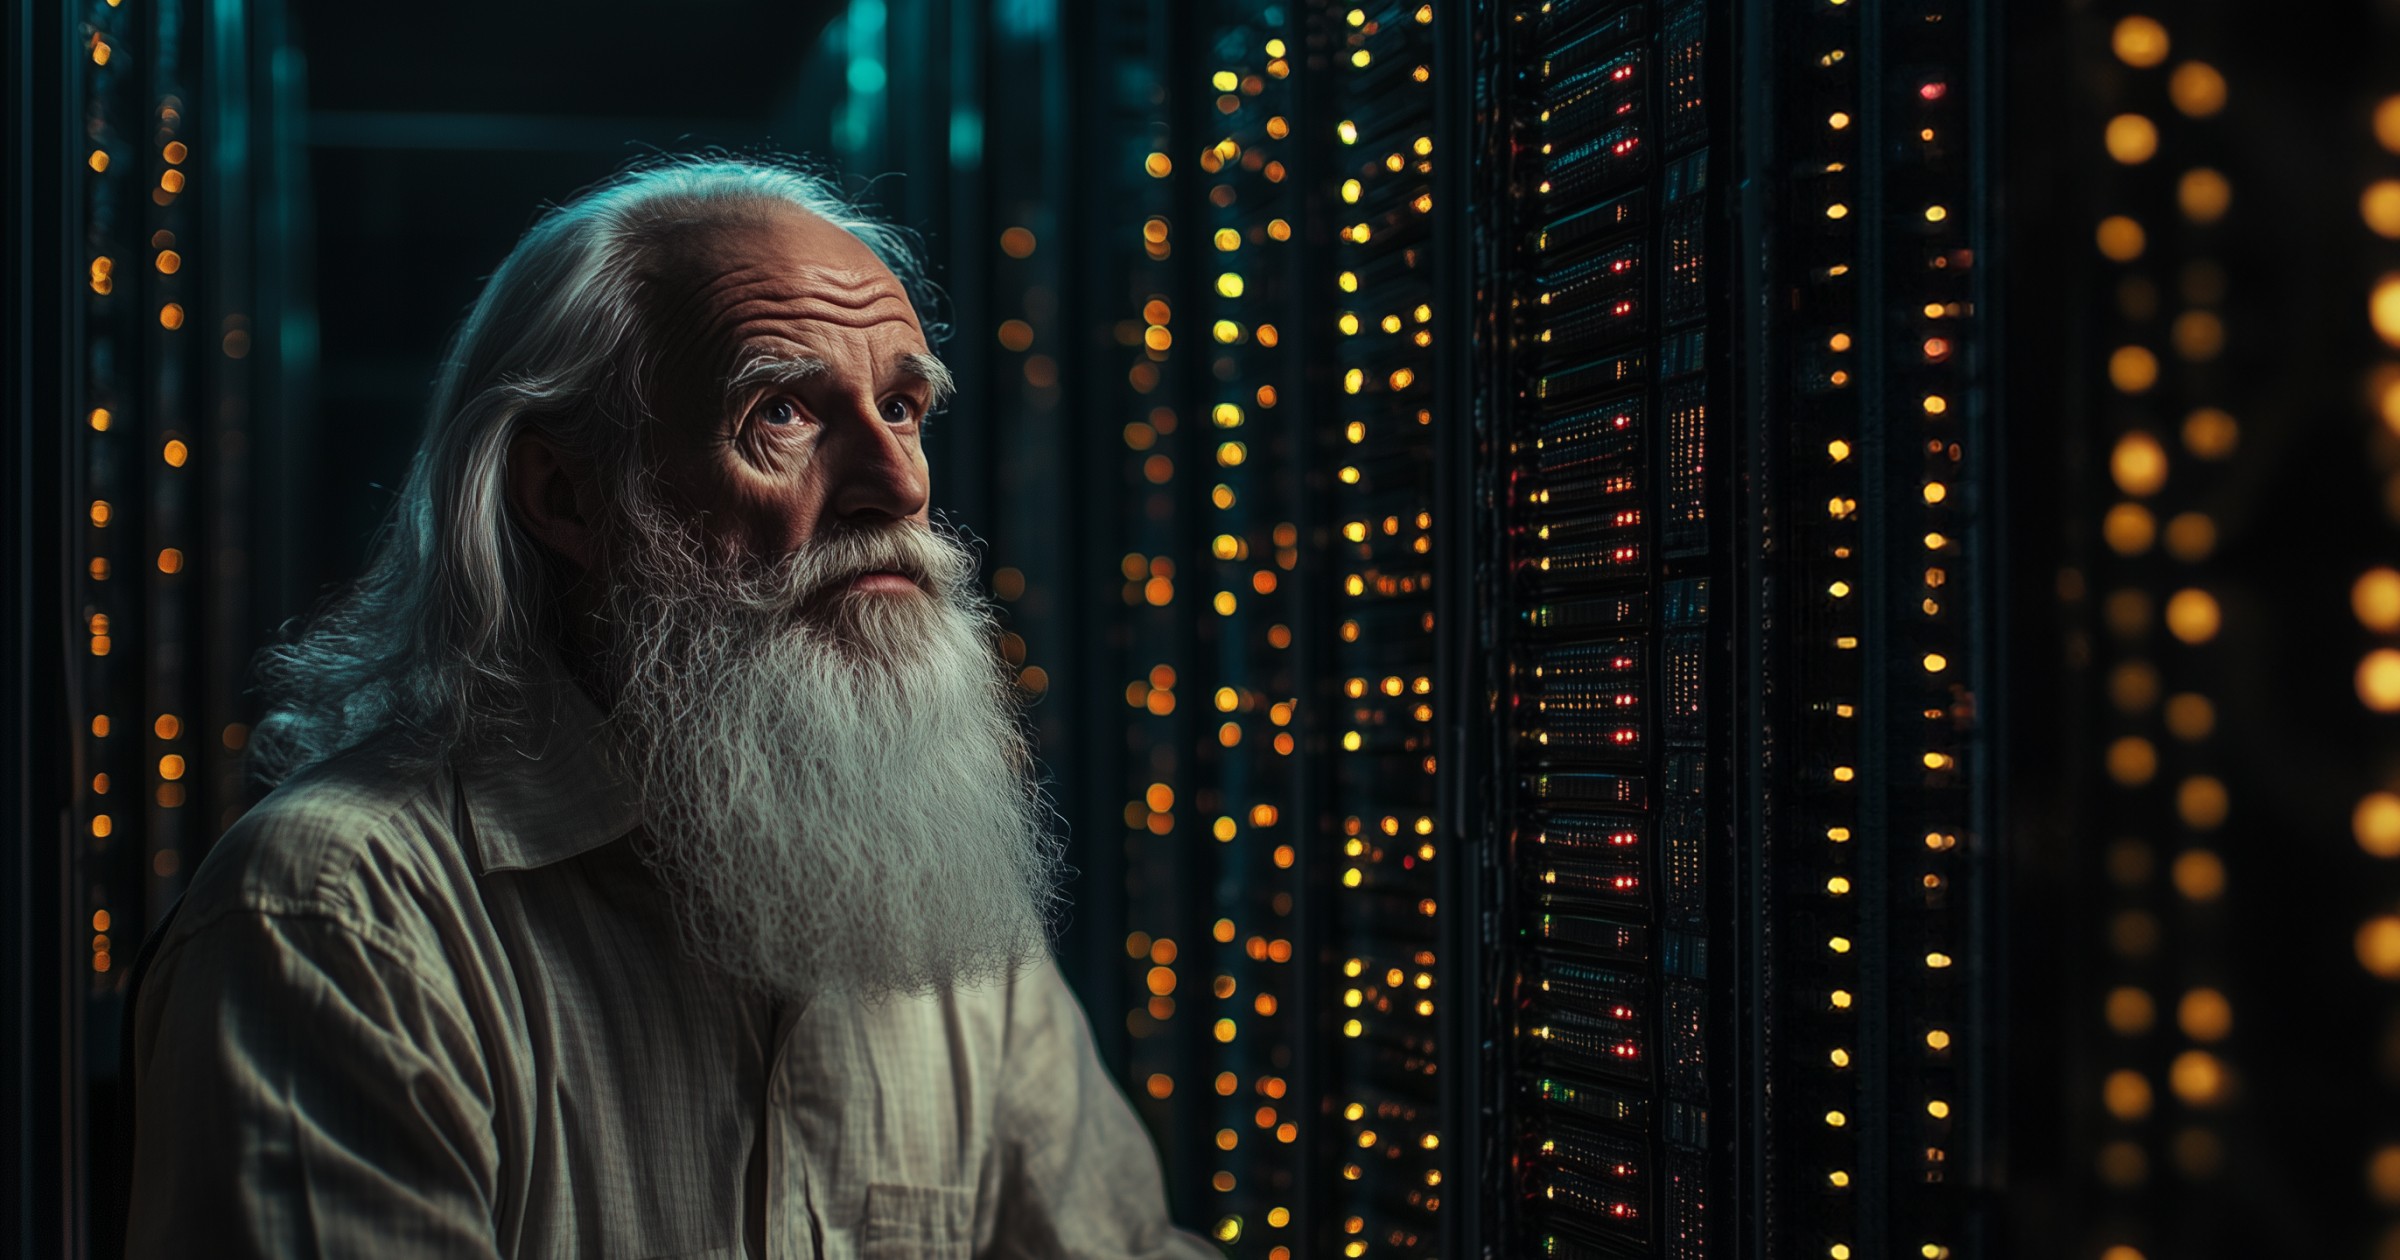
(883, 580)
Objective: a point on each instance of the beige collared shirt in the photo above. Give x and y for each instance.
(446, 1013)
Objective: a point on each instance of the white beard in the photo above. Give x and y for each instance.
(837, 790)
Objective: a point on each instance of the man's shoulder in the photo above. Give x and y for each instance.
(363, 839)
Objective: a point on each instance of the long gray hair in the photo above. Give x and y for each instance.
(437, 639)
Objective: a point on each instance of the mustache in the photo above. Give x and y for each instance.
(932, 556)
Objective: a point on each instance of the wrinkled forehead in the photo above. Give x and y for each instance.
(712, 289)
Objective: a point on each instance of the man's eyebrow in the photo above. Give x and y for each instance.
(933, 372)
(770, 369)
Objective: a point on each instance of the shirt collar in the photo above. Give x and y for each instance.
(551, 795)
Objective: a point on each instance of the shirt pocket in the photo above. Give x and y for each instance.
(918, 1222)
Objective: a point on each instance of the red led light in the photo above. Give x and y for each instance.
(1934, 91)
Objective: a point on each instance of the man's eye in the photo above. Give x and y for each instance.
(781, 411)
(899, 411)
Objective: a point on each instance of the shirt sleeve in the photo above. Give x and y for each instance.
(1081, 1178)
(303, 1092)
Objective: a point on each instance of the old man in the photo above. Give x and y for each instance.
(657, 866)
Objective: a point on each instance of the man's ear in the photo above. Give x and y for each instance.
(552, 496)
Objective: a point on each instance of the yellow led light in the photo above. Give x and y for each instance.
(2203, 194)
(2139, 41)
(2383, 308)
(2197, 89)
(2132, 761)
(2193, 616)
(2379, 206)
(2378, 946)
(2202, 802)
(2387, 123)
(2375, 823)
(2211, 434)
(2378, 680)
(2139, 464)
(2131, 139)
(2121, 239)
(2198, 1078)
(2204, 1015)
(2127, 1095)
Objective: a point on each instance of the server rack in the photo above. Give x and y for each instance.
(1636, 810)
(1615, 573)
(154, 412)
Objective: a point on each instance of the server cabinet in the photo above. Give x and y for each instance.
(1583, 842)
(157, 348)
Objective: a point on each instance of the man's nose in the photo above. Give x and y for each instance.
(876, 469)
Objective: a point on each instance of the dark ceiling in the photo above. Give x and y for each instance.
(612, 58)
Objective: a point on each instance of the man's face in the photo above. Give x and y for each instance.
(791, 384)
(801, 669)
